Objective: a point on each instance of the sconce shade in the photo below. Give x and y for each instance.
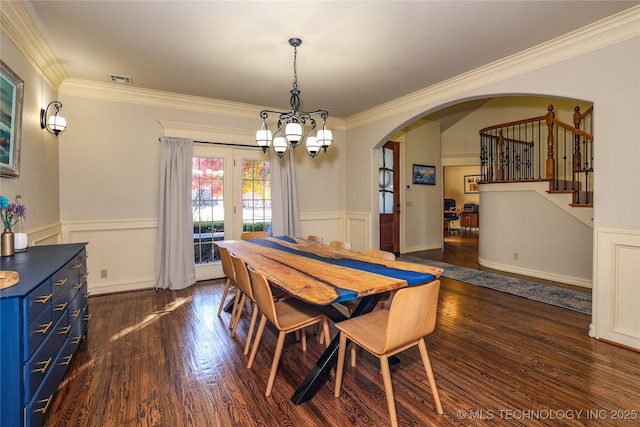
(56, 123)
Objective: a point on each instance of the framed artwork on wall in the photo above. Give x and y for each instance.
(471, 183)
(424, 174)
(12, 90)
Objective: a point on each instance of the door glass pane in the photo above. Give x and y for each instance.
(256, 195)
(388, 203)
(207, 206)
(388, 158)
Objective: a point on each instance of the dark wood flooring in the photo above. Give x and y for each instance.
(166, 359)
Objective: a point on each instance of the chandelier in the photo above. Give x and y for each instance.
(295, 126)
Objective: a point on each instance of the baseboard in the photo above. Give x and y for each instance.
(568, 280)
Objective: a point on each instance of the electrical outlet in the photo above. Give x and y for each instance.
(516, 255)
(104, 273)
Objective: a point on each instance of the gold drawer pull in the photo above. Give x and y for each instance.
(77, 286)
(77, 266)
(76, 340)
(45, 328)
(45, 366)
(85, 275)
(65, 330)
(87, 317)
(66, 362)
(76, 313)
(43, 300)
(61, 307)
(60, 282)
(46, 406)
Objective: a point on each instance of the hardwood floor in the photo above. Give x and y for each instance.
(166, 359)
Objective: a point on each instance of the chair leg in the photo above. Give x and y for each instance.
(235, 307)
(254, 317)
(224, 295)
(340, 367)
(276, 361)
(256, 341)
(326, 333)
(353, 354)
(243, 298)
(388, 388)
(432, 380)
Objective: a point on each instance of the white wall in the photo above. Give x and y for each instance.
(38, 180)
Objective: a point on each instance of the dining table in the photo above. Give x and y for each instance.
(325, 276)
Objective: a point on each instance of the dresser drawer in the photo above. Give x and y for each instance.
(38, 301)
(79, 301)
(38, 331)
(36, 409)
(65, 278)
(42, 362)
(76, 335)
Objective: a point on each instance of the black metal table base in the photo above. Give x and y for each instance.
(319, 374)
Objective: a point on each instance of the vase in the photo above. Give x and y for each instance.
(8, 243)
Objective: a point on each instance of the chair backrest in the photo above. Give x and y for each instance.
(380, 254)
(412, 315)
(253, 235)
(242, 276)
(340, 245)
(315, 238)
(227, 265)
(263, 296)
(449, 204)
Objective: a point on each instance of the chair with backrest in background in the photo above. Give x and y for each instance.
(243, 284)
(246, 235)
(384, 333)
(227, 269)
(286, 316)
(317, 239)
(339, 244)
(385, 299)
(450, 215)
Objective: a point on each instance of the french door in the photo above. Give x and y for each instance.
(231, 192)
(389, 197)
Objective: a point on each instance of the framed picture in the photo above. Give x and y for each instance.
(423, 174)
(471, 183)
(12, 90)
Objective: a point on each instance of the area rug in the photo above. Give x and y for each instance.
(548, 294)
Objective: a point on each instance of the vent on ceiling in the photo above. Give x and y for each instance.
(126, 80)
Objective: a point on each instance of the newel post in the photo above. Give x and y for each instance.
(550, 117)
(500, 156)
(577, 118)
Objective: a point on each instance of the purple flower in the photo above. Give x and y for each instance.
(10, 213)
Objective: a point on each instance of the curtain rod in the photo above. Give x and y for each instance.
(228, 144)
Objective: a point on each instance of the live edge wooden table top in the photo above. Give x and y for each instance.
(320, 274)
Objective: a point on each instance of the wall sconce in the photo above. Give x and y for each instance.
(56, 123)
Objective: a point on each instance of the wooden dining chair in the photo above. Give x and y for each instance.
(385, 299)
(286, 316)
(243, 283)
(317, 239)
(383, 333)
(246, 235)
(227, 269)
(339, 244)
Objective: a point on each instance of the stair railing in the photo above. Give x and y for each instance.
(542, 149)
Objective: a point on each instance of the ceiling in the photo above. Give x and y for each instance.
(355, 55)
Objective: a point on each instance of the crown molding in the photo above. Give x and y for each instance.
(19, 27)
(606, 32)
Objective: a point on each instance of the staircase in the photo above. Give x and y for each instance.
(542, 149)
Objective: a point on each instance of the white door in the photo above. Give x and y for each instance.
(229, 186)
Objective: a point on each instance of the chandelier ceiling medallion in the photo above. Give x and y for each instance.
(295, 126)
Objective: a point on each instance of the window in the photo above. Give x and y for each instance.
(256, 195)
(207, 205)
(231, 193)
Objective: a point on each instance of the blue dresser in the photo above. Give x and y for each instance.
(43, 319)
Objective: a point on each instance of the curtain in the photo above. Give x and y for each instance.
(175, 266)
(284, 197)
